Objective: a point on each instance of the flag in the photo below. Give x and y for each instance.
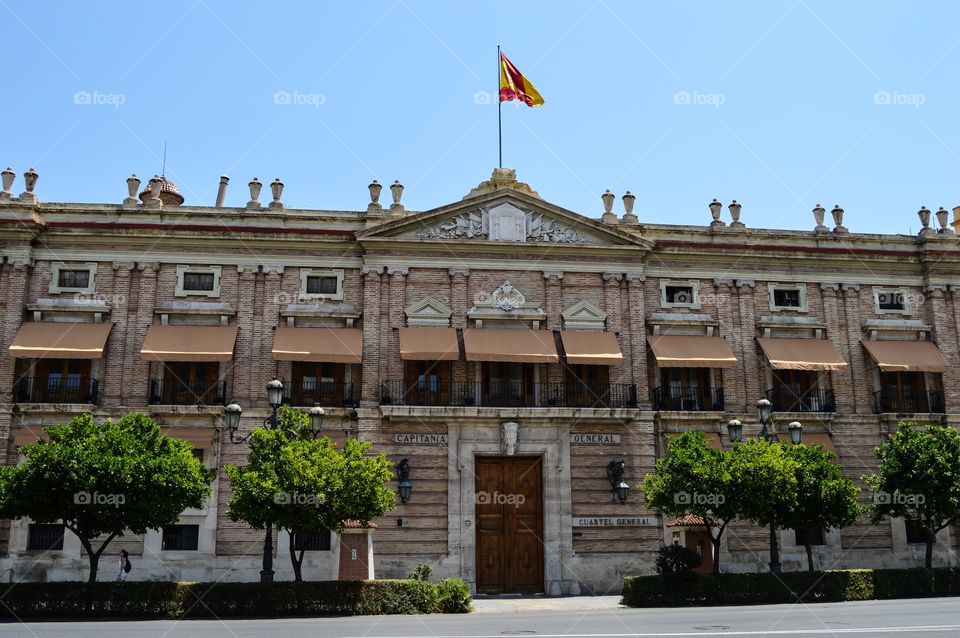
(513, 86)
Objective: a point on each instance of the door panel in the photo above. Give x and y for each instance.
(509, 525)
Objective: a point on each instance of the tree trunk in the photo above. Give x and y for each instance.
(928, 560)
(775, 566)
(295, 561)
(809, 557)
(94, 563)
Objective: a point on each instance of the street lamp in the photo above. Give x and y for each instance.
(735, 430)
(796, 432)
(404, 486)
(764, 412)
(231, 414)
(619, 488)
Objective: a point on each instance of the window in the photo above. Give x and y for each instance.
(916, 534)
(809, 536)
(45, 536)
(180, 537)
(890, 300)
(198, 280)
(791, 297)
(312, 542)
(684, 294)
(74, 277)
(197, 454)
(321, 284)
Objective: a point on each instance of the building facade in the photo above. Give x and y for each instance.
(523, 358)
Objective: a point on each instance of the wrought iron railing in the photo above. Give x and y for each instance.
(309, 392)
(510, 394)
(688, 399)
(55, 390)
(908, 402)
(199, 391)
(787, 399)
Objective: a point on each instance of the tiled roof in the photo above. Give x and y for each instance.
(690, 520)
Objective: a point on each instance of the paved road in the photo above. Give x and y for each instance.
(934, 618)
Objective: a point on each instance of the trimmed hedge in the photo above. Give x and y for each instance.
(221, 600)
(790, 587)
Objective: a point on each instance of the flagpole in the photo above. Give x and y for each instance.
(499, 115)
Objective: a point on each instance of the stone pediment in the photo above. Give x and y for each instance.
(585, 316)
(428, 312)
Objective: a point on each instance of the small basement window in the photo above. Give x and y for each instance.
(809, 536)
(312, 542)
(180, 537)
(916, 534)
(45, 536)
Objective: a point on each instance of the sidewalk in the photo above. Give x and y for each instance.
(512, 605)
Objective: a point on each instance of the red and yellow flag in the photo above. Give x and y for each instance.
(513, 86)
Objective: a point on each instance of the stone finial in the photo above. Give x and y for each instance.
(276, 190)
(924, 215)
(943, 218)
(133, 187)
(29, 183)
(628, 201)
(375, 189)
(7, 176)
(156, 185)
(255, 187)
(396, 191)
(837, 213)
(608, 217)
(715, 209)
(734, 208)
(818, 216)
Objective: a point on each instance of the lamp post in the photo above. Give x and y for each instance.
(231, 415)
(618, 487)
(735, 430)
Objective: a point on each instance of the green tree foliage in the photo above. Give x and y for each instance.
(694, 478)
(305, 485)
(918, 478)
(826, 499)
(104, 479)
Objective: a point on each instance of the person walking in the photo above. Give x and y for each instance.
(124, 566)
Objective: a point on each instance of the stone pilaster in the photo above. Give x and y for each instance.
(272, 302)
(112, 372)
(946, 343)
(638, 338)
(861, 387)
(754, 383)
(245, 388)
(553, 296)
(729, 377)
(138, 394)
(398, 294)
(459, 305)
(611, 301)
(370, 394)
(841, 382)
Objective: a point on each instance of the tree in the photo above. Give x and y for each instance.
(104, 479)
(305, 485)
(695, 479)
(826, 499)
(919, 478)
(767, 477)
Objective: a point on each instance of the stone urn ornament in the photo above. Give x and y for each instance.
(924, 215)
(734, 208)
(629, 199)
(29, 183)
(255, 187)
(156, 185)
(276, 190)
(396, 191)
(8, 176)
(133, 187)
(837, 213)
(943, 218)
(375, 189)
(818, 216)
(608, 217)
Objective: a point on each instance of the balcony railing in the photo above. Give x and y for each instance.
(323, 393)
(53, 390)
(811, 400)
(192, 392)
(502, 394)
(901, 402)
(687, 399)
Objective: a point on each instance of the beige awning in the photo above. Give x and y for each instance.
(906, 356)
(524, 346)
(201, 438)
(327, 345)
(189, 343)
(817, 438)
(802, 354)
(60, 340)
(672, 351)
(591, 348)
(429, 344)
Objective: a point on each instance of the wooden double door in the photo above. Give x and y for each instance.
(509, 518)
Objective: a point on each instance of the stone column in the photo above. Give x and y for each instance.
(946, 343)
(553, 296)
(398, 296)
(754, 382)
(459, 305)
(113, 372)
(841, 381)
(370, 394)
(244, 381)
(611, 301)
(272, 278)
(730, 377)
(861, 386)
(638, 338)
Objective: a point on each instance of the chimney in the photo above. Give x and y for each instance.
(222, 191)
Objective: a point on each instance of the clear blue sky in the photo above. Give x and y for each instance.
(783, 107)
